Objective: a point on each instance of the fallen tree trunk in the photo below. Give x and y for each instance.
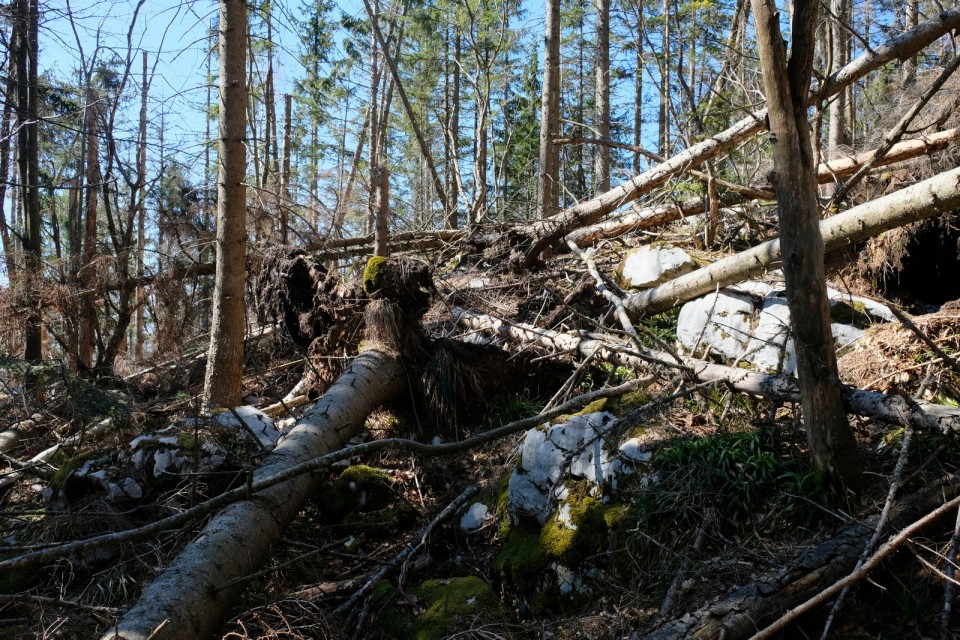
(900, 152)
(644, 218)
(940, 194)
(187, 600)
(782, 388)
(549, 231)
(649, 217)
(740, 613)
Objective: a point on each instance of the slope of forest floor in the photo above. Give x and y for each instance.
(728, 495)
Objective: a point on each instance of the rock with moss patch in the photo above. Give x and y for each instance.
(549, 455)
(359, 488)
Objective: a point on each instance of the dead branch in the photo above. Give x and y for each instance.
(868, 566)
(737, 614)
(38, 556)
(408, 550)
(892, 409)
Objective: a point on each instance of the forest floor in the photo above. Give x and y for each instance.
(727, 496)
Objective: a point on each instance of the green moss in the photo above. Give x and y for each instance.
(628, 401)
(373, 274)
(853, 313)
(590, 537)
(520, 563)
(359, 488)
(189, 444)
(502, 510)
(448, 605)
(596, 406)
(67, 467)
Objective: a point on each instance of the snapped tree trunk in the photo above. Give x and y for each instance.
(187, 597)
(932, 197)
(794, 178)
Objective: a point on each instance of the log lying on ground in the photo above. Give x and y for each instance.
(900, 152)
(187, 599)
(940, 194)
(649, 217)
(549, 231)
(779, 387)
(741, 612)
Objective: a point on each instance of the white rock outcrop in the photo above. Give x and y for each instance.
(576, 449)
(750, 323)
(652, 265)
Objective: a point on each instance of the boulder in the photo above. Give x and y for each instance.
(650, 266)
(576, 449)
(723, 321)
(750, 323)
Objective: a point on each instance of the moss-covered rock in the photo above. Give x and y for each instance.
(359, 488)
(446, 606)
(373, 274)
(580, 529)
(520, 563)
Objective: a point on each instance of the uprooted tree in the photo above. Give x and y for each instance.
(653, 450)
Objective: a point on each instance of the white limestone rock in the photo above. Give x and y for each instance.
(258, 422)
(722, 320)
(475, 517)
(650, 266)
(771, 347)
(750, 323)
(576, 448)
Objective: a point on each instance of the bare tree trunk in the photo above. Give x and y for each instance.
(548, 180)
(142, 208)
(381, 236)
(663, 117)
(28, 15)
(912, 20)
(88, 275)
(601, 164)
(839, 39)
(374, 120)
(285, 173)
(10, 99)
(188, 600)
(418, 133)
(454, 134)
(223, 383)
(786, 85)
